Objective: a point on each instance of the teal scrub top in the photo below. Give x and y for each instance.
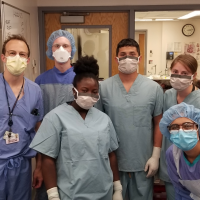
(132, 114)
(170, 99)
(81, 149)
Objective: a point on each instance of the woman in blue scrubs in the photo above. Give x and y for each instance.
(78, 143)
(183, 75)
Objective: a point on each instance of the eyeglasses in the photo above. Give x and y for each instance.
(14, 53)
(65, 46)
(187, 126)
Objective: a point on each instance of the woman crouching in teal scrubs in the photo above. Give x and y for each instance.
(77, 143)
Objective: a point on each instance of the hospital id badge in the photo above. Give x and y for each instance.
(11, 137)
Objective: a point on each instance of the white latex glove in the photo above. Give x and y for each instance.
(153, 162)
(53, 194)
(117, 190)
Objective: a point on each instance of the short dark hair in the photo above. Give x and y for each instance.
(15, 37)
(128, 42)
(86, 67)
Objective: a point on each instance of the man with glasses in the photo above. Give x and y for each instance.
(21, 113)
(56, 83)
(180, 125)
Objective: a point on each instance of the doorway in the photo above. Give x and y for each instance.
(93, 40)
(141, 39)
(118, 22)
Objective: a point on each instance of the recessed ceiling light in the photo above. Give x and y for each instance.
(192, 14)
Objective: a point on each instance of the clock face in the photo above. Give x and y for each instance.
(188, 30)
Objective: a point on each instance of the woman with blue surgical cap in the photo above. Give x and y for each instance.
(77, 143)
(183, 74)
(180, 124)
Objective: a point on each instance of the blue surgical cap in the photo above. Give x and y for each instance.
(54, 36)
(177, 111)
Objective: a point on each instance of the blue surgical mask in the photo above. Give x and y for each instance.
(184, 140)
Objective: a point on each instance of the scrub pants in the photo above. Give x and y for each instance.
(136, 185)
(170, 191)
(15, 179)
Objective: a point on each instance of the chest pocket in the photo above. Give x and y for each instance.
(103, 143)
(30, 129)
(33, 119)
(75, 144)
(141, 116)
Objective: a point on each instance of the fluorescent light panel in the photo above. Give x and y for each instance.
(163, 19)
(143, 20)
(192, 14)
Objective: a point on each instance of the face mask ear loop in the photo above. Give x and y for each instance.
(198, 132)
(76, 93)
(99, 97)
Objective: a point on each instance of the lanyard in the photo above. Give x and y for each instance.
(10, 122)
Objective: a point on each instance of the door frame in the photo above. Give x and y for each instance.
(63, 27)
(146, 32)
(130, 9)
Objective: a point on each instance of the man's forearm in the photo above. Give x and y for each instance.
(157, 142)
(114, 166)
(38, 159)
(49, 172)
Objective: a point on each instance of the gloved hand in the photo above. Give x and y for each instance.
(117, 190)
(53, 194)
(153, 162)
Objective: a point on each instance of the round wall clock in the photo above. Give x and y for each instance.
(188, 30)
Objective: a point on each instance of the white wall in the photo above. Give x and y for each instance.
(172, 31)
(31, 7)
(159, 34)
(154, 39)
(112, 2)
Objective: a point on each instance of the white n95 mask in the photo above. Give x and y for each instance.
(86, 101)
(128, 64)
(16, 64)
(180, 82)
(61, 55)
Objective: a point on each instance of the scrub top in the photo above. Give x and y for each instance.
(188, 171)
(131, 114)
(81, 149)
(23, 121)
(56, 87)
(170, 99)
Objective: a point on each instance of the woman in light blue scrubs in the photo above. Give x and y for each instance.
(183, 74)
(78, 143)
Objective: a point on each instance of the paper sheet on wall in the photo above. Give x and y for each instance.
(170, 46)
(193, 49)
(16, 21)
(177, 47)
